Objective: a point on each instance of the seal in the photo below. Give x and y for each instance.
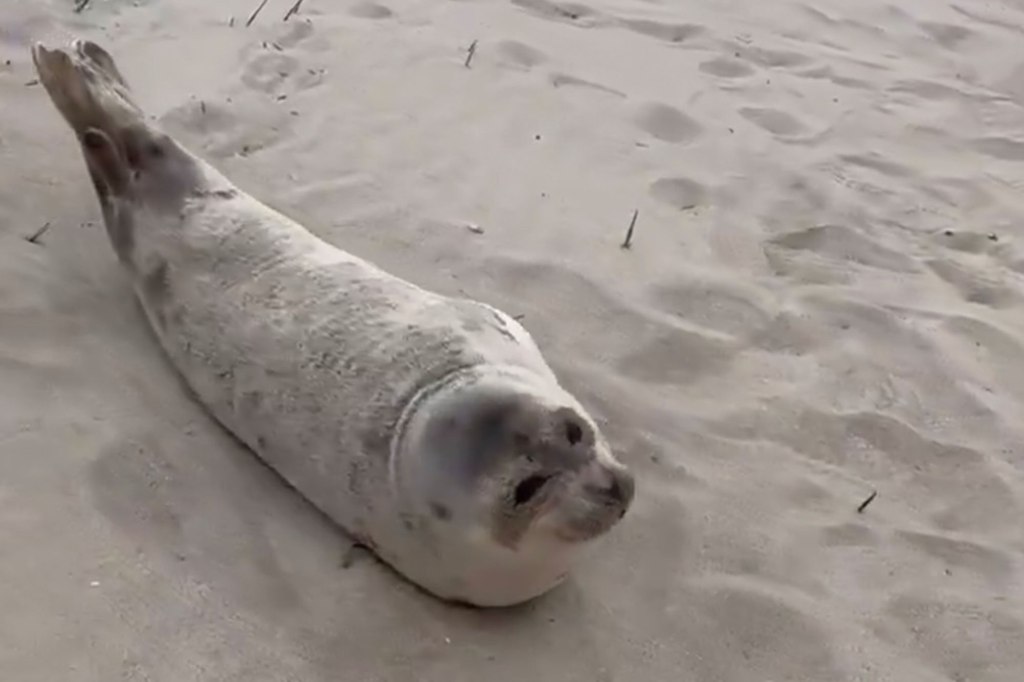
(430, 428)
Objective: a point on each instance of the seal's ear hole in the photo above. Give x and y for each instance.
(528, 488)
(573, 432)
(140, 148)
(131, 155)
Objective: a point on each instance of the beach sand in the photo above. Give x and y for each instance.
(823, 299)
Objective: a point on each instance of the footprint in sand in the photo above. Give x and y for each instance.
(989, 20)
(975, 287)
(929, 90)
(680, 193)
(726, 67)
(666, 123)
(837, 242)
(676, 357)
(295, 33)
(221, 131)
(947, 35)
(671, 33)
(641, 346)
(879, 163)
(726, 309)
(525, 57)
(559, 80)
(829, 74)
(849, 535)
(515, 53)
(370, 10)
(273, 68)
(569, 12)
(966, 240)
(769, 58)
(1004, 148)
(774, 121)
(269, 70)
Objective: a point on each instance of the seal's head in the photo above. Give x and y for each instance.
(507, 465)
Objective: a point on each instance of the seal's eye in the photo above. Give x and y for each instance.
(528, 488)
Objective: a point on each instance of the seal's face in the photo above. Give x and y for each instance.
(556, 476)
(518, 462)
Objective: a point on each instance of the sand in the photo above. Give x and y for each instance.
(824, 297)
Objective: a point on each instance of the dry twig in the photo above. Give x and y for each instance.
(37, 235)
(294, 10)
(629, 233)
(865, 503)
(256, 13)
(470, 53)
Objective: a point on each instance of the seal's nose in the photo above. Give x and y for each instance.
(619, 488)
(622, 487)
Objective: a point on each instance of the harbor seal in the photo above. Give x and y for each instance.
(430, 428)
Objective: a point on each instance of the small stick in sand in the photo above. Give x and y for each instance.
(294, 10)
(231, 22)
(81, 5)
(34, 81)
(470, 53)
(255, 13)
(629, 233)
(865, 503)
(34, 238)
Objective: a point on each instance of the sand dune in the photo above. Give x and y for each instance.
(823, 299)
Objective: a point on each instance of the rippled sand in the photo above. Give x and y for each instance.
(824, 298)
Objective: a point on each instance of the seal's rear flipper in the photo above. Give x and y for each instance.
(87, 88)
(131, 162)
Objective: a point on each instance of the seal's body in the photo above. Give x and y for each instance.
(428, 427)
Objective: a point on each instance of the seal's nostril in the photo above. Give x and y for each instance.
(622, 487)
(573, 432)
(619, 489)
(615, 490)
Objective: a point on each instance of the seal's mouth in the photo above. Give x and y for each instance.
(587, 509)
(529, 488)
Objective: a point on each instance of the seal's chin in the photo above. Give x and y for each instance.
(585, 511)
